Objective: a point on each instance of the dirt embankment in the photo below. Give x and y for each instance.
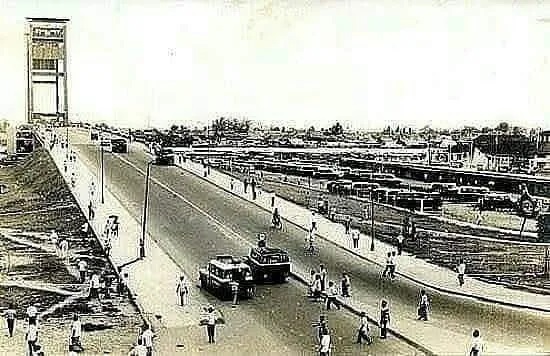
(31, 272)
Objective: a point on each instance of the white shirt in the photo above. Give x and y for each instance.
(54, 237)
(313, 220)
(138, 350)
(94, 281)
(182, 287)
(76, 329)
(462, 268)
(32, 311)
(400, 238)
(477, 344)
(325, 343)
(355, 234)
(32, 333)
(147, 338)
(211, 318)
(364, 322)
(82, 266)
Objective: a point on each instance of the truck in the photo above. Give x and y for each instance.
(268, 264)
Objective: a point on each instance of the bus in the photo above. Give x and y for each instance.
(24, 140)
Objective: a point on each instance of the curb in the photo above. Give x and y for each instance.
(406, 276)
(302, 280)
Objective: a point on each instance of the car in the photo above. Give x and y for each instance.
(119, 145)
(268, 264)
(164, 157)
(217, 276)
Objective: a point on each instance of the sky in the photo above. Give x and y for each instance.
(366, 64)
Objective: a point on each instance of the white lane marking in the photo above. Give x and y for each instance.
(230, 233)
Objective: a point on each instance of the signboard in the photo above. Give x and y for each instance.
(44, 32)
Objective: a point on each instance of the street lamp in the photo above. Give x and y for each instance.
(371, 219)
(145, 206)
(102, 175)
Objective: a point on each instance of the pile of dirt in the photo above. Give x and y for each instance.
(38, 173)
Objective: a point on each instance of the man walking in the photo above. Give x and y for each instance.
(76, 333)
(31, 336)
(423, 305)
(147, 337)
(32, 313)
(10, 314)
(324, 347)
(400, 240)
(363, 333)
(64, 248)
(461, 269)
(82, 268)
(94, 286)
(393, 264)
(211, 324)
(384, 319)
(332, 293)
(323, 274)
(183, 291)
(139, 349)
(355, 234)
(345, 285)
(313, 227)
(347, 224)
(476, 345)
(388, 265)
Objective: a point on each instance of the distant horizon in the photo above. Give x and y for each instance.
(365, 64)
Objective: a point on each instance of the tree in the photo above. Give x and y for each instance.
(503, 127)
(336, 129)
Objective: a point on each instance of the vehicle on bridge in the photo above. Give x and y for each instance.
(119, 145)
(105, 141)
(164, 156)
(217, 276)
(268, 264)
(24, 140)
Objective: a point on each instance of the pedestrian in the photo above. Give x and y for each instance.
(108, 281)
(423, 305)
(347, 224)
(73, 180)
(114, 229)
(461, 269)
(245, 183)
(388, 265)
(332, 294)
(313, 226)
(107, 228)
(476, 345)
(76, 334)
(64, 248)
(321, 326)
(261, 239)
(479, 218)
(85, 229)
(108, 246)
(384, 319)
(122, 283)
(32, 313)
(91, 212)
(363, 333)
(345, 285)
(355, 234)
(92, 190)
(324, 347)
(31, 336)
(400, 240)
(65, 166)
(393, 264)
(94, 286)
(54, 239)
(311, 284)
(182, 290)
(10, 315)
(317, 288)
(139, 349)
(232, 184)
(234, 292)
(147, 337)
(211, 324)
(82, 269)
(323, 274)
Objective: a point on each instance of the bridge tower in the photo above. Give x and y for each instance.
(47, 69)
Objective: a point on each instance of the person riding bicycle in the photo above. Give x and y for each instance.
(276, 219)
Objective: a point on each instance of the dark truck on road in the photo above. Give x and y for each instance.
(217, 276)
(268, 264)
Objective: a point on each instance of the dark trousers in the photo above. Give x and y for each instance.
(461, 279)
(383, 329)
(31, 345)
(211, 330)
(355, 243)
(392, 271)
(423, 312)
(332, 300)
(82, 276)
(149, 350)
(91, 213)
(345, 291)
(94, 293)
(347, 229)
(11, 325)
(399, 248)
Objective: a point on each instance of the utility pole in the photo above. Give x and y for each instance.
(144, 218)
(371, 219)
(102, 176)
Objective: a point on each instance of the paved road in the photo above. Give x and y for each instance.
(191, 238)
(182, 230)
